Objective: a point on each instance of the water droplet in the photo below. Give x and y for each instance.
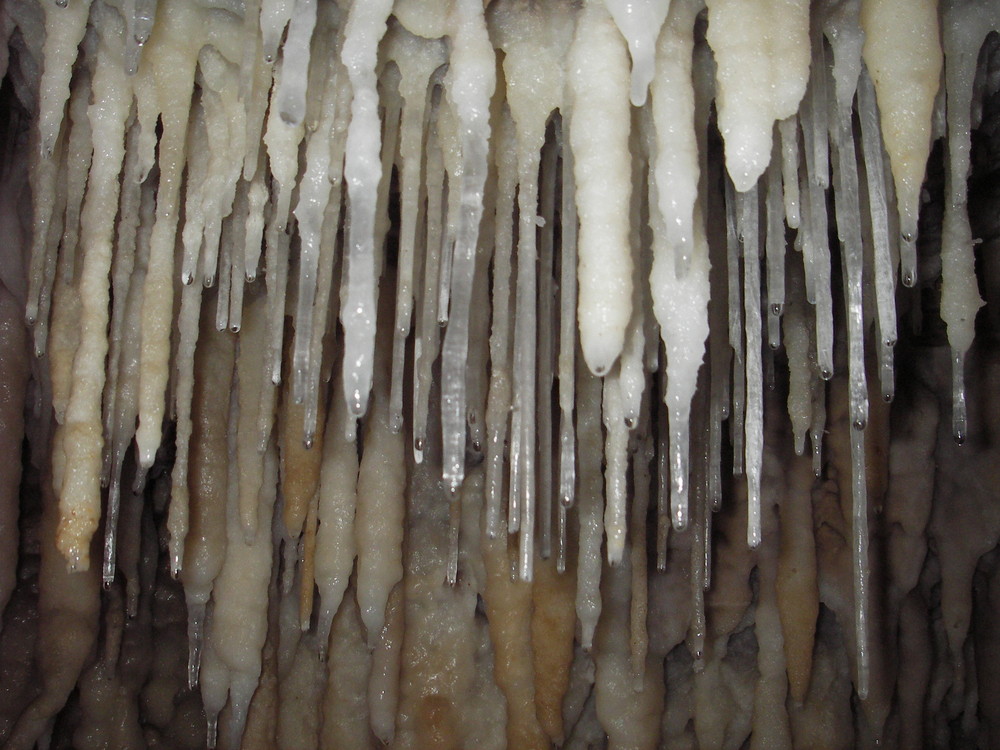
(357, 408)
(960, 437)
(859, 424)
(826, 373)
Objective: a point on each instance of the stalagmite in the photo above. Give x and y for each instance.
(378, 529)
(204, 549)
(335, 540)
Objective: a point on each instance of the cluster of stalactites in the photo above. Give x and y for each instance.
(594, 119)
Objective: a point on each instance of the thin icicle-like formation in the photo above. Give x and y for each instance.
(775, 253)
(425, 347)
(534, 90)
(469, 85)
(589, 501)
(187, 324)
(849, 230)
(663, 491)
(122, 270)
(615, 473)
(801, 357)
(878, 210)
(846, 194)
(965, 26)
(417, 59)
(498, 403)
(79, 149)
(748, 204)
(789, 131)
(546, 347)
(523, 486)
(567, 336)
(859, 557)
(315, 190)
(735, 317)
(366, 23)
(815, 243)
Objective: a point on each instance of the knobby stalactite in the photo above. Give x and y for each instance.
(449, 373)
